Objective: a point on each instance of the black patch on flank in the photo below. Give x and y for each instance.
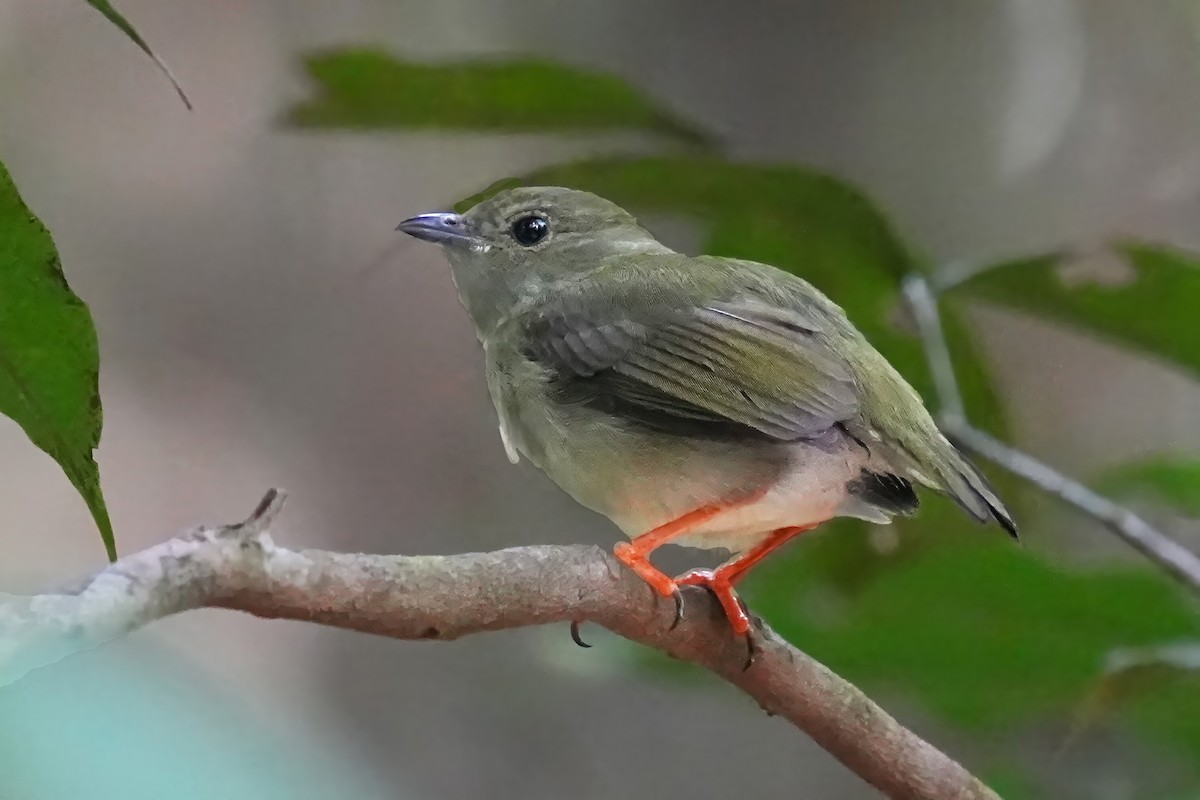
(888, 492)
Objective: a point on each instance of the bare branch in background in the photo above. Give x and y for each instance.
(445, 597)
(1137, 532)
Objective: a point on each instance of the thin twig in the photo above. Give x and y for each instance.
(924, 307)
(1176, 559)
(957, 272)
(445, 597)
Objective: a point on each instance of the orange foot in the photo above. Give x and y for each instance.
(659, 581)
(720, 584)
(635, 555)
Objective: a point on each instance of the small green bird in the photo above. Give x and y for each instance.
(695, 400)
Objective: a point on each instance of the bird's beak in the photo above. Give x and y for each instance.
(439, 228)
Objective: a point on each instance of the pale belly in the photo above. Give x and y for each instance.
(811, 490)
(642, 480)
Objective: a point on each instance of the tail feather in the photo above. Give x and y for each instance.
(972, 491)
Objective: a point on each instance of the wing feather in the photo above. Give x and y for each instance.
(744, 364)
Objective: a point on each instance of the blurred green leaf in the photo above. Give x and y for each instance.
(463, 206)
(49, 359)
(1012, 783)
(1152, 308)
(370, 89)
(838, 224)
(1174, 481)
(991, 638)
(118, 19)
(1130, 671)
(986, 634)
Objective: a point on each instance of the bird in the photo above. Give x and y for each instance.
(694, 400)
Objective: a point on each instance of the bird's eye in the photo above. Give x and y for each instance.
(530, 230)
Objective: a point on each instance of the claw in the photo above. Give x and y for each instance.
(733, 606)
(678, 595)
(575, 637)
(752, 650)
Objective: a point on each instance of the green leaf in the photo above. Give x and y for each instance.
(369, 89)
(118, 19)
(463, 206)
(1151, 309)
(839, 224)
(1130, 671)
(987, 634)
(1174, 481)
(49, 358)
(992, 638)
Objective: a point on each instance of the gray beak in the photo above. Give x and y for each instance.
(439, 228)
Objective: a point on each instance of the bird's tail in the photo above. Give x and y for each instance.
(962, 481)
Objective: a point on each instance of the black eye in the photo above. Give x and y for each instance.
(530, 230)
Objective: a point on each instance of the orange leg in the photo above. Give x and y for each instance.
(635, 554)
(721, 580)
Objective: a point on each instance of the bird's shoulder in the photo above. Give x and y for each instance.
(652, 284)
(691, 337)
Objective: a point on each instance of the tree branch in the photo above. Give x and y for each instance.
(1173, 557)
(445, 597)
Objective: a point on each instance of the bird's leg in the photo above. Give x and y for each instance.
(720, 581)
(635, 554)
(742, 564)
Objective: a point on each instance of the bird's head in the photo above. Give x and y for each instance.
(518, 243)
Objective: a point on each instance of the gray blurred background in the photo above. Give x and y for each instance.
(251, 337)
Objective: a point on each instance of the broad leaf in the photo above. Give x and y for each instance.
(1174, 481)
(992, 638)
(987, 634)
(1151, 308)
(463, 206)
(118, 19)
(49, 360)
(369, 89)
(838, 222)
(1130, 671)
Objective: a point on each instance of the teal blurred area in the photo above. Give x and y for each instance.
(145, 725)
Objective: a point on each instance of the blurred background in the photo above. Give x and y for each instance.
(262, 325)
